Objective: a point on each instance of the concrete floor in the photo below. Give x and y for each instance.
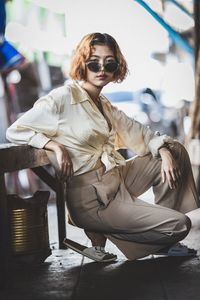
(66, 275)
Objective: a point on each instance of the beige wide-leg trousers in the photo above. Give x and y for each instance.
(108, 203)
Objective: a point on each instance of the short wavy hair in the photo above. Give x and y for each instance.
(83, 53)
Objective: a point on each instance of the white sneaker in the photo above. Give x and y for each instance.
(177, 250)
(96, 253)
(99, 254)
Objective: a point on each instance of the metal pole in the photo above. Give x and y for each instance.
(196, 28)
(175, 36)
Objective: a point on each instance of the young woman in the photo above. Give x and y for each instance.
(82, 128)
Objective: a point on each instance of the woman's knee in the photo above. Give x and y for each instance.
(179, 151)
(183, 227)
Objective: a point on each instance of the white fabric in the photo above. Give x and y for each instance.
(68, 116)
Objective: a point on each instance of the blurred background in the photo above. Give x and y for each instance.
(159, 39)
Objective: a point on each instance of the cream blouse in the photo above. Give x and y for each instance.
(67, 115)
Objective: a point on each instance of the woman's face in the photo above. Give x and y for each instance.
(97, 74)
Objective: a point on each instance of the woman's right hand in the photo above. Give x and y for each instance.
(63, 159)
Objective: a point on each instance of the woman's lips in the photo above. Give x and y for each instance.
(101, 77)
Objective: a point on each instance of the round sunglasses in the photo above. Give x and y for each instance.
(96, 67)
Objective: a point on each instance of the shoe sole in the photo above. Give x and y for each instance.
(176, 254)
(80, 249)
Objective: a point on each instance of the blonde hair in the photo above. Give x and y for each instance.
(83, 53)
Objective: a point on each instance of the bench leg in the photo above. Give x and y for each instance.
(61, 215)
(5, 251)
(56, 185)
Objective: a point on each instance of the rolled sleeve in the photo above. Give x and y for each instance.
(39, 140)
(36, 126)
(157, 142)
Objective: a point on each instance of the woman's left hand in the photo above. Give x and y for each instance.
(169, 169)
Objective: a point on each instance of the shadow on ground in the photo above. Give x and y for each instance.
(66, 275)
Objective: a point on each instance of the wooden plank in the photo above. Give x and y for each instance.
(14, 157)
